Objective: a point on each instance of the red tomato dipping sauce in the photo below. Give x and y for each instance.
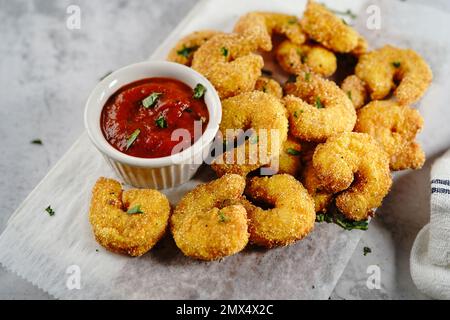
(140, 117)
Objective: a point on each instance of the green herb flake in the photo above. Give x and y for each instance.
(161, 122)
(151, 100)
(347, 12)
(396, 64)
(295, 114)
(307, 76)
(318, 103)
(50, 211)
(340, 220)
(135, 210)
(132, 138)
(188, 110)
(224, 51)
(222, 216)
(36, 141)
(293, 152)
(186, 51)
(292, 78)
(367, 250)
(349, 94)
(292, 21)
(199, 91)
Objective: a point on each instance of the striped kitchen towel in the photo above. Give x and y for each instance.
(430, 255)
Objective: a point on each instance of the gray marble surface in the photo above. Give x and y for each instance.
(46, 74)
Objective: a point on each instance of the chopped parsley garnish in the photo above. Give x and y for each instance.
(161, 122)
(50, 211)
(367, 250)
(266, 72)
(36, 141)
(132, 138)
(341, 221)
(186, 51)
(224, 51)
(293, 152)
(199, 91)
(188, 110)
(135, 210)
(292, 21)
(396, 64)
(302, 56)
(222, 217)
(349, 94)
(151, 100)
(295, 114)
(347, 12)
(307, 76)
(318, 103)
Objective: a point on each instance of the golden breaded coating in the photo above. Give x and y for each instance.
(259, 27)
(322, 197)
(292, 216)
(383, 68)
(355, 165)
(290, 161)
(317, 108)
(321, 25)
(356, 90)
(184, 50)
(228, 62)
(395, 127)
(293, 58)
(270, 86)
(265, 118)
(209, 222)
(129, 222)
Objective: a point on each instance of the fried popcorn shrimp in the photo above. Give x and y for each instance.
(322, 197)
(357, 167)
(290, 161)
(317, 108)
(259, 27)
(228, 62)
(395, 127)
(209, 222)
(270, 86)
(321, 25)
(264, 116)
(383, 68)
(292, 216)
(356, 90)
(184, 50)
(293, 58)
(129, 222)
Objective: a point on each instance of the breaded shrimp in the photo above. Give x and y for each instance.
(395, 128)
(228, 62)
(259, 27)
(292, 217)
(209, 222)
(262, 116)
(184, 50)
(382, 68)
(355, 165)
(322, 197)
(321, 25)
(356, 90)
(129, 222)
(270, 86)
(317, 108)
(293, 57)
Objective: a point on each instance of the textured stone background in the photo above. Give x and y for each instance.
(46, 74)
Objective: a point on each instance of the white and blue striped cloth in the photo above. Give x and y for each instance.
(430, 255)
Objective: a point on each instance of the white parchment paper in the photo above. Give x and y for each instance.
(44, 249)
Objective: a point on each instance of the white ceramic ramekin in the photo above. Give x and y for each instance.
(158, 173)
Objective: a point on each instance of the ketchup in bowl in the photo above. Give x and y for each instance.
(139, 118)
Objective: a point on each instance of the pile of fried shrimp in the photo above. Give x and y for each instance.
(339, 138)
